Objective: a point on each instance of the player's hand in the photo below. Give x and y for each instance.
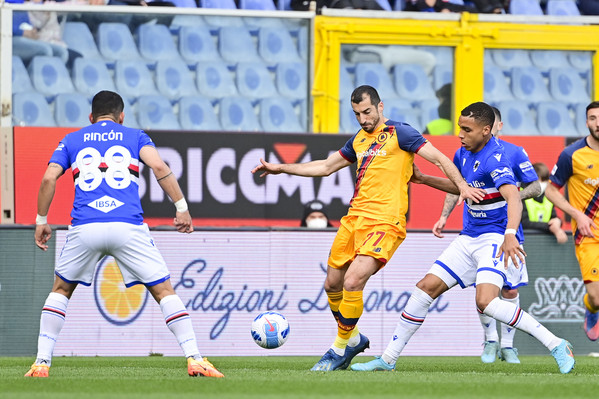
(417, 175)
(183, 222)
(512, 250)
(267, 168)
(584, 224)
(438, 227)
(470, 193)
(43, 233)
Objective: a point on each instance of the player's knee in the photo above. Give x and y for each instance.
(333, 285)
(432, 285)
(353, 283)
(594, 299)
(482, 301)
(508, 293)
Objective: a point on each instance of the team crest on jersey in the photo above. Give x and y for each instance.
(105, 204)
(476, 165)
(381, 137)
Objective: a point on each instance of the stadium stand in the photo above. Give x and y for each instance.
(553, 119)
(562, 7)
(400, 110)
(375, 75)
(214, 80)
(347, 122)
(525, 7)
(528, 85)
(155, 43)
(133, 79)
(507, 59)
(566, 85)
(496, 85)
(276, 45)
(80, 39)
(544, 60)
(517, 118)
(411, 82)
(235, 44)
(580, 110)
(266, 5)
(115, 42)
(292, 80)
(254, 81)
(226, 4)
(174, 80)
(196, 44)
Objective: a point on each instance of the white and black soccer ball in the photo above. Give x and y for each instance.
(270, 330)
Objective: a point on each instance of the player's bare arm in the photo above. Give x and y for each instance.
(511, 247)
(168, 182)
(322, 167)
(43, 232)
(584, 224)
(433, 155)
(530, 190)
(448, 204)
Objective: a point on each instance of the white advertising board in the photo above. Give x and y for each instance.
(226, 278)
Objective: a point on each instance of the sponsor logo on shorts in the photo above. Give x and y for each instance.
(105, 204)
(479, 214)
(592, 182)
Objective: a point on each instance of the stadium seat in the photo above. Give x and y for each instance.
(442, 74)
(266, 5)
(254, 81)
(562, 7)
(544, 60)
(276, 45)
(78, 37)
(31, 109)
(180, 21)
(196, 44)
(20, 77)
(400, 110)
(346, 83)
(154, 112)
(197, 113)
(375, 75)
(525, 7)
(567, 86)
(496, 85)
(553, 119)
(49, 76)
(580, 110)
(517, 118)
(217, 22)
(156, 43)
(130, 117)
(443, 55)
(507, 59)
(384, 5)
(174, 80)
(254, 24)
(214, 80)
(236, 45)
(237, 114)
(284, 5)
(348, 122)
(91, 76)
(115, 42)
(133, 79)
(528, 85)
(582, 61)
(277, 115)
(292, 79)
(72, 110)
(411, 82)
(226, 4)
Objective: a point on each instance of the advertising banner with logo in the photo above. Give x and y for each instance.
(226, 278)
(213, 169)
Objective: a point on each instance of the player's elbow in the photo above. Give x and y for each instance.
(161, 169)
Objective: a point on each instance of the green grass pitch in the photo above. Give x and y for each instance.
(289, 377)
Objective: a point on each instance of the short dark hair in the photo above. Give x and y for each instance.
(358, 95)
(542, 170)
(107, 103)
(497, 114)
(594, 104)
(480, 112)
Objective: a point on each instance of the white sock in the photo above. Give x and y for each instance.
(51, 322)
(507, 332)
(514, 316)
(178, 321)
(411, 319)
(489, 327)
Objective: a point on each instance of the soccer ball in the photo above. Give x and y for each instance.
(270, 330)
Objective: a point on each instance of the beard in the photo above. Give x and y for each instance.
(370, 127)
(594, 133)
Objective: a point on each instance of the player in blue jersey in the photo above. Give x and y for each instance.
(486, 253)
(107, 220)
(529, 181)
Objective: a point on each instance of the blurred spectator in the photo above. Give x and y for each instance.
(539, 213)
(37, 33)
(315, 216)
(443, 124)
(304, 5)
(588, 7)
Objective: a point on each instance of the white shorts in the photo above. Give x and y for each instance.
(131, 246)
(471, 260)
